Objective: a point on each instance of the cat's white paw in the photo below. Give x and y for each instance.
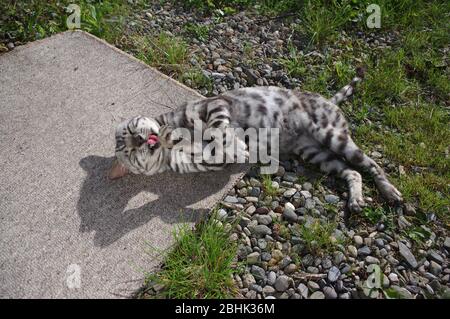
(355, 204)
(390, 193)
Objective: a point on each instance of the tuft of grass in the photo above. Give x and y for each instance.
(199, 265)
(429, 191)
(294, 64)
(322, 20)
(267, 186)
(374, 214)
(199, 31)
(209, 6)
(166, 52)
(317, 236)
(418, 234)
(196, 79)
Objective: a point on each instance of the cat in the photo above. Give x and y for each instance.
(310, 125)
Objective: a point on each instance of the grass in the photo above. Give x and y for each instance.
(321, 22)
(373, 215)
(282, 229)
(268, 188)
(317, 236)
(199, 265)
(166, 52)
(379, 214)
(198, 31)
(170, 55)
(23, 21)
(195, 78)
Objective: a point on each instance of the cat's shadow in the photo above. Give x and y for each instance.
(104, 204)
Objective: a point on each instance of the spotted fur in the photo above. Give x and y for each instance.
(311, 127)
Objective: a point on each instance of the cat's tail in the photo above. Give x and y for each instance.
(344, 93)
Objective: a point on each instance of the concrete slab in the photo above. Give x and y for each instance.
(60, 99)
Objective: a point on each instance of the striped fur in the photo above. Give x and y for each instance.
(311, 127)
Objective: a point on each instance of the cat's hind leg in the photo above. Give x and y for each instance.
(329, 163)
(343, 145)
(328, 127)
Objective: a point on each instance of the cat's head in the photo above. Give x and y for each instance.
(138, 147)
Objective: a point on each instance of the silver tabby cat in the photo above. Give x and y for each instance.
(310, 125)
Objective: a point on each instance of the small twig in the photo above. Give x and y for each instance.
(307, 276)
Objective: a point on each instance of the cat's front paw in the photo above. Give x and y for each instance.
(355, 204)
(390, 193)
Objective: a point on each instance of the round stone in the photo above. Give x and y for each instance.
(231, 199)
(303, 290)
(333, 274)
(310, 203)
(289, 269)
(253, 258)
(256, 288)
(247, 280)
(372, 260)
(265, 256)
(271, 278)
(358, 240)
(222, 214)
(263, 219)
(364, 251)
(393, 277)
(258, 273)
(268, 290)
(262, 210)
(329, 292)
(260, 230)
(289, 193)
(331, 199)
(313, 286)
(289, 206)
(317, 295)
(289, 215)
(338, 257)
(306, 194)
(282, 283)
(352, 251)
(277, 254)
(435, 268)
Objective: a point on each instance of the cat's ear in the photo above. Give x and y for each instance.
(118, 170)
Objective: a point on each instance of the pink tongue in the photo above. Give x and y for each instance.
(152, 139)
